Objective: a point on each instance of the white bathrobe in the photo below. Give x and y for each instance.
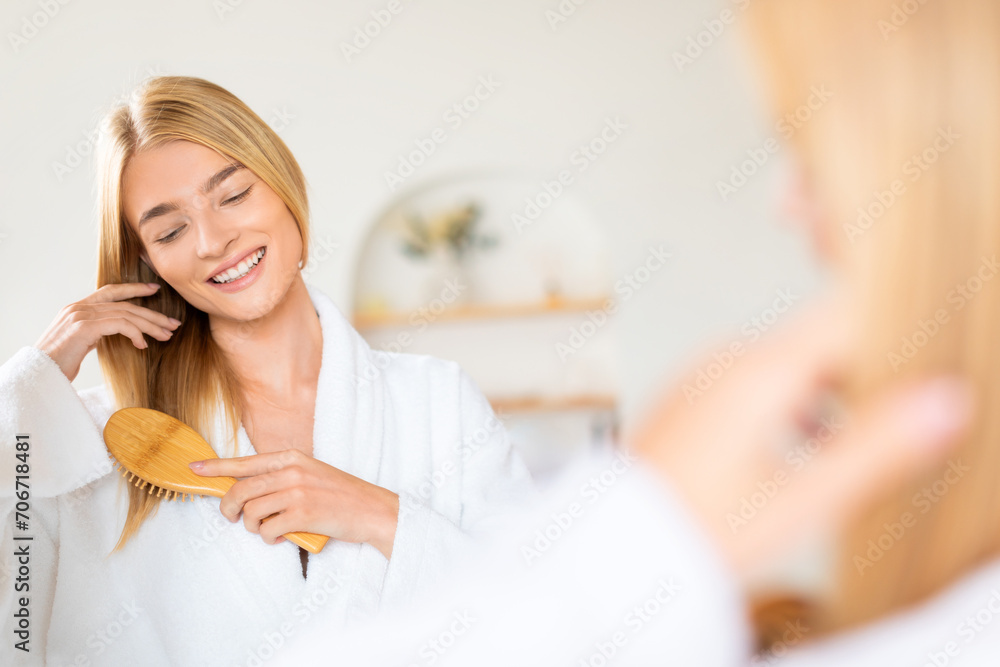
(191, 588)
(630, 579)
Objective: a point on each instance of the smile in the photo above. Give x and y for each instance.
(245, 266)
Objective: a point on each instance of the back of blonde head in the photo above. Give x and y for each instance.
(905, 159)
(187, 377)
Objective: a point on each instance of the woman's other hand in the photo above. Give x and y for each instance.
(307, 495)
(724, 448)
(78, 327)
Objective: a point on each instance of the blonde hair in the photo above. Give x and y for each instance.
(905, 159)
(188, 376)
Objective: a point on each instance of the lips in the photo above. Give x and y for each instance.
(244, 281)
(225, 266)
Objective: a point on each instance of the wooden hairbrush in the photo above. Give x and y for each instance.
(154, 449)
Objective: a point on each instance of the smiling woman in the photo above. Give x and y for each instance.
(203, 232)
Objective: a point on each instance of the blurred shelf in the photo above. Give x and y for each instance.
(554, 403)
(380, 319)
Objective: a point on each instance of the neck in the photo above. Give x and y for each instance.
(276, 356)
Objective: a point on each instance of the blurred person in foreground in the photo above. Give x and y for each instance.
(899, 190)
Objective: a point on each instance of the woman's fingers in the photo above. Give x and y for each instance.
(120, 291)
(255, 511)
(257, 486)
(153, 316)
(79, 326)
(145, 324)
(730, 433)
(289, 521)
(255, 464)
(907, 431)
(259, 475)
(126, 324)
(720, 450)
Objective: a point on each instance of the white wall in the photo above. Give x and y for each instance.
(348, 123)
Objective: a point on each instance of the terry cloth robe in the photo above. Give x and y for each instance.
(191, 588)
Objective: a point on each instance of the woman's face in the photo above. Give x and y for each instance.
(198, 214)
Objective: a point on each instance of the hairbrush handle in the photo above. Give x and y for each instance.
(155, 449)
(311, 542)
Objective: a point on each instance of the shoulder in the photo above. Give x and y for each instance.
(404, 370)
(440, 389)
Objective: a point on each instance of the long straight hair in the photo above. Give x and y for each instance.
(905, 159)
(187, 377)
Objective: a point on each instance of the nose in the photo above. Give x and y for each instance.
(213, 235)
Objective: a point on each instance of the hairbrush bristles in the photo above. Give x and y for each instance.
(138, 482)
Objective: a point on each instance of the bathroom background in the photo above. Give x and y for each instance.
(572, 198)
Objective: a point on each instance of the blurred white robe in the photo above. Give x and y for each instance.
(632, 580)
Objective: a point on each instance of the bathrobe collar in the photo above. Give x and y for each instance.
(348, 433)
(348, 421)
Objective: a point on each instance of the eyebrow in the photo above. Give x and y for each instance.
(210, 184)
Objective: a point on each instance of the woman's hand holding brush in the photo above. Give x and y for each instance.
(304, 494)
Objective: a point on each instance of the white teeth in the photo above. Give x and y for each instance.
(240, 269)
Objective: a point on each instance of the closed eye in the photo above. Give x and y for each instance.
(240, 197)
(170, 237)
